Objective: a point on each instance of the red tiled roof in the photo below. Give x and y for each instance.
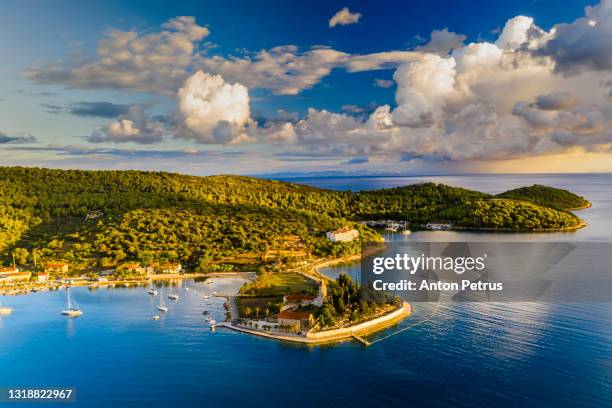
(299, 298)
(55, 265)
(286, 314)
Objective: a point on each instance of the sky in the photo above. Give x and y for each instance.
(271, 87)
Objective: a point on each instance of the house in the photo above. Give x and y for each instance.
(300, 320)
(344, 234)
(15, 276)
(298, 300)
(56, 267)
(170, 267)
(102, 279)
(8, 270)
(164, 268)
(42, 277)
(134, 267)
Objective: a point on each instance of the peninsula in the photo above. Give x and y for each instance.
(70, 227)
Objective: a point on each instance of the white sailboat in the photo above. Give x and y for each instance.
(73, 310)
(213, 323)
(5, 310)
(173, 296)
(161, 307)
(152, 292)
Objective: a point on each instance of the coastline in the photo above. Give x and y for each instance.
(333, 335)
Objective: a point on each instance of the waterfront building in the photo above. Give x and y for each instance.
(344, 234)
(132, 267)
(291, 301)
(15, 276)
(301, 320)
(42, 277)
(8, 270)
(56, 267)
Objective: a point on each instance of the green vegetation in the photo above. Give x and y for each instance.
(280, 283)
(260, 307)
(548, 197)
(99, 219)
(350, 304)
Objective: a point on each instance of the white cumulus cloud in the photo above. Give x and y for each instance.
(212, 110)
(344, 17)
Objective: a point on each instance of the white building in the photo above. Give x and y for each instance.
(344, 234)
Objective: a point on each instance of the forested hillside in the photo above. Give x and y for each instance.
(100, 218)
(548, 197)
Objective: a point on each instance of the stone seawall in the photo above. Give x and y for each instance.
(326, 336)
(362, 328)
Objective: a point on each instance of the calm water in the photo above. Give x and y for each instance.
(520, 354)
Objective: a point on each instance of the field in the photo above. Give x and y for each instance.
(280, 283)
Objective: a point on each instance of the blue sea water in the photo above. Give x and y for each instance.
(466, 355)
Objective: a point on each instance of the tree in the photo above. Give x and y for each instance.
(21, 256)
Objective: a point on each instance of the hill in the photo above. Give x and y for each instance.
(548, 197)
(102, 218)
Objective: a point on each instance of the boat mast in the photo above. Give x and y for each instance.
(69, 301)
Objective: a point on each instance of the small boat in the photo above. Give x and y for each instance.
(173, 296)
(186, 289)
(212, 323)
(209, 282)
(156, 317)
(206, 312)
(161, 307)
(152, 292)
(206, 297)
(73, 310)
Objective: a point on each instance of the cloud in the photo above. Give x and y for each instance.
(126, 60)
(160, 62)
(555, 101)
(442, 42)
(212, 110)
(583, 44)
(483, 101)
(350, 108)
(98, 109)
(344, 17)
(283, 69)
(357, 160)
(383, 83)
(134, 127)
(17, 139)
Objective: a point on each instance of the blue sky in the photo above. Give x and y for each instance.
(57, 89)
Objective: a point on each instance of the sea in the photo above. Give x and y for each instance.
(513, 354)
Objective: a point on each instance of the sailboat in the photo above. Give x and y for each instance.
(5, 310)
(73, 310)
(152, 292)
(173, 296)
(161, 307)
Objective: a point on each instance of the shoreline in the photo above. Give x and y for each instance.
(333, 335)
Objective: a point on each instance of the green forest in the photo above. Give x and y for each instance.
(548, 197)
(98, 219)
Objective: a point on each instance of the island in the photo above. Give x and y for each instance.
(77, 227)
